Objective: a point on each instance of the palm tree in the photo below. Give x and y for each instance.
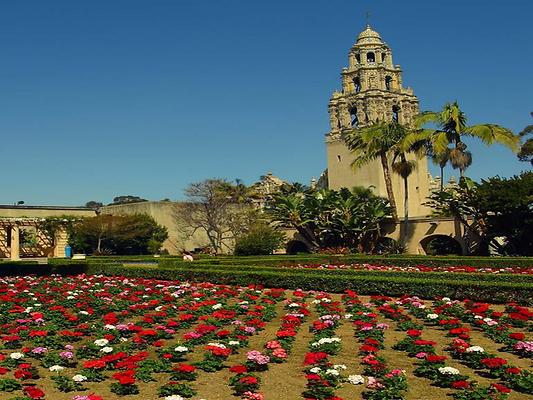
(441, 159)
(377, 141)
(452, 129)
(404, 167)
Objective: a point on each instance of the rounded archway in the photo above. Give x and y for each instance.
(441, 245)
(297, 246)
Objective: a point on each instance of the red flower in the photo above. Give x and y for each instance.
(238, 369)
(460, 385)
(436, 359)
(96, 364)
(517, 335)
(185, 368)
(313, 358)
(494, 363)
(514, 370)
(33, 393)
(414, 332)
(248, 380)
(125, 378)
(501, 388)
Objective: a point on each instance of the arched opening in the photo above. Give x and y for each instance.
(395, 113)
(353, 117)
(384, 58)
(388, 82)
(370, 57)
(358, 58)
(297, 246)
(441, 245)
(357, 84)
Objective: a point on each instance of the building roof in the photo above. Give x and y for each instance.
(369, 36)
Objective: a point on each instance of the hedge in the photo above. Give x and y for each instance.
(351, 272)
(495, 292)
(397, 260)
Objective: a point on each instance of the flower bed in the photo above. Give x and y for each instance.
(100, 337)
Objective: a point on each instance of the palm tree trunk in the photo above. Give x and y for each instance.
(441, 178)
(388, 185)
(405, 212)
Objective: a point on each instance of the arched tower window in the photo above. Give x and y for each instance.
(357, 84)
(358, 58)
(353, 117)
(370, 58)
(388, 82)
(384, 58)
(395, 113)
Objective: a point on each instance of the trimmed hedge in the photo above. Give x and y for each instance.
(495, 292)
(454, 276)
(398, 260)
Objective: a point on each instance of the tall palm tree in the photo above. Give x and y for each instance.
(452, 129)
(370, 143)
(381, 141)
(441, 159)
(404, 167)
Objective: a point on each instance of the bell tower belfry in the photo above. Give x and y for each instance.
(372, 92)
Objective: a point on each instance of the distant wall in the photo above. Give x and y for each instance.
(165, 214)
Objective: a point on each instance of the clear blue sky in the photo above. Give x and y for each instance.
(113, 97)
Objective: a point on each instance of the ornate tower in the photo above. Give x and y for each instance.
(372, 91)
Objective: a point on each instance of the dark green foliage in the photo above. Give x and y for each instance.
(329, 218)
(497, 291)
(261, 239)
(127, 199)
(118, 234)
(526, 151)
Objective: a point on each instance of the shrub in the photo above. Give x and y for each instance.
(262, 239)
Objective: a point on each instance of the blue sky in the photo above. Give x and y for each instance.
(113, 97)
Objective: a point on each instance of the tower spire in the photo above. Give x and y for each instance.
(367, 17)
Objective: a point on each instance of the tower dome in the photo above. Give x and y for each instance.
(369, 36)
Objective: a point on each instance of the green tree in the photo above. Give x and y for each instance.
(451, 130)
(495, 207)
(373, 142)
(329, 218)
(218, 208)
(526, 150)
(117, 234)
(261, 239)
(127, 199)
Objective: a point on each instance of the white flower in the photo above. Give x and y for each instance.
(101, 342)
(219, 345)
(79, 378)
(448, 371)
(333, 372)
(356, 379)
(475, 349)
(83, 313)
(217, 306)
(234, 342)
(446, 299)
(174, 397)
(16, 356)
(315, 370)
(292, 305)
(348, 316)
(110, 327)
(181, 349)
(432, 316)
(106, 349)
(56, 368)
(339, 366)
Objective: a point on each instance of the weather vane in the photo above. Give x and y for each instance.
(368, 18)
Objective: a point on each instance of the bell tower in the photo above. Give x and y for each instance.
(372, 92)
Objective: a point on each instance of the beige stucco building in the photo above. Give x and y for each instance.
(372, 92)
(19, 221)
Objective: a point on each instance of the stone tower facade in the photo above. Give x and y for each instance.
(372, 91)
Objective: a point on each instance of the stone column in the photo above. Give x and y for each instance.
(60, 241)
(15, 243)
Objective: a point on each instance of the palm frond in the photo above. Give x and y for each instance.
(490, 134)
